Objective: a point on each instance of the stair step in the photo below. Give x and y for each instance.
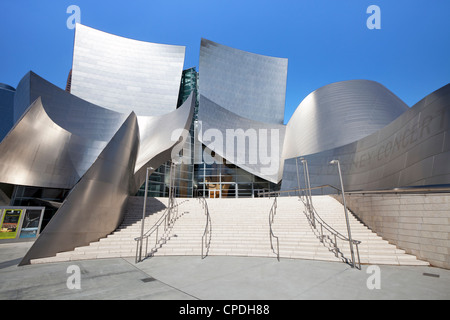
(240, 227)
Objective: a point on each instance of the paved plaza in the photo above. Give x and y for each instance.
(214, 278)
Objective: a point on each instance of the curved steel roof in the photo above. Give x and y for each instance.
(413, 150)
(338, 114)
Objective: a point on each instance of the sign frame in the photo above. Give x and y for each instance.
(19, 227)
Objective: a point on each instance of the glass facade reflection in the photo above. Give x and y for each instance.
(223, 180)
(158, 182)
(217, 180)
(26, 196)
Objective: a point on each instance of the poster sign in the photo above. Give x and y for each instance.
(10, 223)
(31, 223)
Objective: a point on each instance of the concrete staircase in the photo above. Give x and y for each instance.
(372, 250)
(240, 227)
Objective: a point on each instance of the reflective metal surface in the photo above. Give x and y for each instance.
(159, 137)
(251, 145)
(126, 75)
(241, 108)
(338, 114)
(5, 200)
(413, 150)
(34, 152)
(102, 154)
(95, 206)
(57, 140)
(250, 85)
(71, 143)
(6, 109)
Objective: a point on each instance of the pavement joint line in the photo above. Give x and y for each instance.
(150, 276)
(241, 269)
(321, 282)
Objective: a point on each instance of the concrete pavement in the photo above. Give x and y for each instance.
(214, 278)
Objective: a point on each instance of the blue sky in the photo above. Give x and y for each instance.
(325, 40)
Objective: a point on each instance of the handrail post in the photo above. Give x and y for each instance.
(298, 177)
(170, 188)
(308, 190)
(306, 184)
(166, 221)
(309, 186)
(345, 210)
(359, 259)
(143, 213)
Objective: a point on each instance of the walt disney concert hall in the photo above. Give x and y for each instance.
(130, 117)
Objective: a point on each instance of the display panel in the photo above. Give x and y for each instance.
(10, 223)
(31, 223)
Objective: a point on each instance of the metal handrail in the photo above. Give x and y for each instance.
(406, 190)
(206, 241)
(294, 191)
(314, 217)
(272, 213)
(168, 218)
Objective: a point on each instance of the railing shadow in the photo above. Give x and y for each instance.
(328, 236)
(153, 207)
(272, 213)
(159, 234)
(207, 234)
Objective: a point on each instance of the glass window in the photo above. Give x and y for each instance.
(229, 190)
(245, 190)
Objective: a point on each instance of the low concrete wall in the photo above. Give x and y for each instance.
(416, 223)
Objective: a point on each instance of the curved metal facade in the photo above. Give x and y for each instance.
(102, 148)
(253, 146)
(6, 109)
(413, 150)
(35, 152)
(159, 136)
(126, 75)
(95, 206)
(57, 139)
(241, 102)
(64, 142)
(338, 114)
(250, 85)
(60, 136)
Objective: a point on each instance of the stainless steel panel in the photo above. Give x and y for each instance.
(95, 206)
(441, 165)
(22, 99)
(40, 152)
(427, 148)
(6, 109)
(410, 151)
(250, 85)
(126, 75)
(338, 114)
(159, 136)
(416, 174)
(268, 140)
(57, 140)
(35, 143)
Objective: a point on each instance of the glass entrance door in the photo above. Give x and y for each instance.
(214, 194)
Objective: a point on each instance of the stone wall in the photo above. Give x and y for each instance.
(416, 223)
